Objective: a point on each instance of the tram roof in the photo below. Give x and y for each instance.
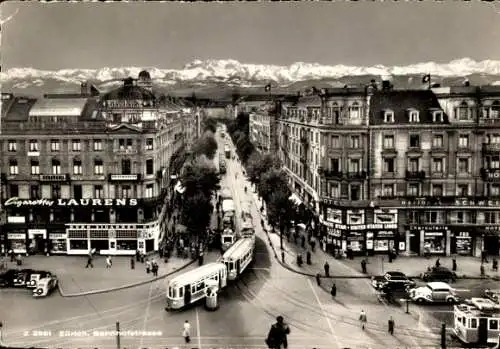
(239, 247)
(195, 274)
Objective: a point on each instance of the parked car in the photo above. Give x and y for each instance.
(392, 281)
(492, 295)
(7, 278)
(434, 292)
(36, 275)
(45, 286)
(24, 276)
(439, 274)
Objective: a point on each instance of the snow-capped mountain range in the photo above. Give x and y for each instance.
(203, 73)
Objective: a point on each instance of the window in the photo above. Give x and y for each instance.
(13, 168)
(473, 323)
(462, 112)
(98, 167)
(149, 167)
(14, 190)
(98, 191)
(463, 165)
(335, 141)
(414, 141)
(463, 141)
(355, 192)
(34, 145)
(463, 190)
(126, 192)
(55, 145)
(354, 165)
(77, 191)
(149, 144)
(56, 167)
(335, 165)
(437, 165)
(334, 190)
(355, 142)
(76, 145)
(495, 110)
(56, 191)
(461, 217)
(413, 217)
(97, 145)
(388, 142)
(434, 217)
(437, 116)
(35, 167)
(493, 139)
(413, 165)
(126, 167)
(413, 189)
(34, 192)
(149, 191)
(437, 190)
(494, 190)
(437, 141)
(388, 190)
(493, 324)
(414, 116)
(493, 162)
(12, 146)
(354, 111)
(389, 165)
(77, 167)
(388, 117)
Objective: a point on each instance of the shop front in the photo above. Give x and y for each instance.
(381, 238)
(491, 240)
(463, 241)
(37, 241)
(429, 240)
(58, 242)
(16, 240)
(355, 241)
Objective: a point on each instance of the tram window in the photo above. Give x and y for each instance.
(463, 321)
(200, 286)
(181, 292)
(473, 323)
(193, 289)
(170, 292)
(493, 324)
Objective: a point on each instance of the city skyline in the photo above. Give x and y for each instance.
(64, 36)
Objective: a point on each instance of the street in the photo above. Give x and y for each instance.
(247, 308)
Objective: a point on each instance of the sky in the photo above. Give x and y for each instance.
(169, 35)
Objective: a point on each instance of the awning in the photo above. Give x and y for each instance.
(179, 188)
(295, 199)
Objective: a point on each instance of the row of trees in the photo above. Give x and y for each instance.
(200, 179)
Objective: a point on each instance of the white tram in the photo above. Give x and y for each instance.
(191, 286)
(476, 321)
(238, 257)
(247, 229)
(228, 238)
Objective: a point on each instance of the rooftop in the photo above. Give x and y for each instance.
(58, 107)
(17, 109)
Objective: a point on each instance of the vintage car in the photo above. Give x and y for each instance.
(7, 278)
(36, 275)
(24, 276)
(45, 286)
(434, 292)
(392, 281)
(492, 295)
(439, 274)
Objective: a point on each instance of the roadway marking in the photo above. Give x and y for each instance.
(146, 313)
(334, 335)
(198, 330)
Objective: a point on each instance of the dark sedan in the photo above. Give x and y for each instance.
(7, 278)
(439, 274)
(29, 277)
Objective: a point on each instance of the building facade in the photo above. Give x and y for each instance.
(89, 172)
(417, 172)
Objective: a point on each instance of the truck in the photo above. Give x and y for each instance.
(227, 151)
(228, 236)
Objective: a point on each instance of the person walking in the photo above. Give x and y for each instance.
(333, 291)
(277, 336)
(454, 264)
(186, 332)
(327, 269)
(89, 261)
(132, 263)
(438, 263)
(363, 266)
(362, 319)
(109, 262)
(148, 266)
(154, 267)
(390, 325)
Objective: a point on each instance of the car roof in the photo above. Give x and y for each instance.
(441, 269)
(396, 273)
(438, 284)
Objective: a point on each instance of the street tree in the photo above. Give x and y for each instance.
(205, 145)
(196, 213)
(210, 124)
(280, 210)
(258, 164)
(200, 175)
(270, 181)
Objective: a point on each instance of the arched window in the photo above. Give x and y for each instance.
(495, 110)
(463, 111)
(56, 167)
(354, 111)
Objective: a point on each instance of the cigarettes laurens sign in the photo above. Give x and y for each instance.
(15, 201)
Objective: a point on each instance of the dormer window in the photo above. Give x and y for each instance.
(437, 116)
(414, 116)
(354, 111)
(388, 117)
(463, 112)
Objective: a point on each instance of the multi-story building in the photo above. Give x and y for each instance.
(90, 171)
(262, 115)
(412, 171)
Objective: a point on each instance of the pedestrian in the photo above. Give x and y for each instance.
(12, 255)
(494, 264)
(200, 258)
(138, 256)
(454, 264)
(363, 266)
(89, 261)
(19, 260)
(308, 258)
(132, 263)
(155, 268)
(438, 263)
(327, 269)
(109, 262)
(484, 256)
(186, 332)
(390, 255)
(277, 336)
(303, 242)
(481, 269)
(390, 325)
(282, 256)
(313, 244)
(318, 279)
(148, 266)
(362, 319)
(333, 291)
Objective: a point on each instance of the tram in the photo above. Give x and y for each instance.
(476, 321)
(238, 257)
(192, 286)
(228, 238)
(247, 229)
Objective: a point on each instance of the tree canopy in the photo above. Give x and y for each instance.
(200, 175)
(196, 212)
(210, 124)
(205, 145)
(280, 208)
(271, 181)
(258, 164)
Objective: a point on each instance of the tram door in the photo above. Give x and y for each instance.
(238, 267)
(187, 294)
(482, 331)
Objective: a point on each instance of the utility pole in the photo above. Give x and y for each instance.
(117, 335)
(443, 336)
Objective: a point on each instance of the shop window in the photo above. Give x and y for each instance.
(35, 167)
(434, 242)
(14, 190)
(79, 244)
(13, 167)
(149, 167)
(98, 167)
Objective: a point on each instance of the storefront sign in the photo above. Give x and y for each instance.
(15, 201)
(57, 236)
(16, 219)
(449, 201)
(333, 215)
(16, 236)
(37, 231)
(385, 234)
(429, 227)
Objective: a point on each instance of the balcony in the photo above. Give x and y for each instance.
(330, 174)
(123, 150)
(124, 177)
(490, 174)
(55, 178)
(489, 121)
(304, 140)
(491, 147)
(359, 175)
(415, 175)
